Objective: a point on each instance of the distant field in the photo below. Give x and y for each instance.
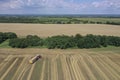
(71, 64)
(45, 30)
(102, 20)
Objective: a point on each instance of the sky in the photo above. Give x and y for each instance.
(59, 6)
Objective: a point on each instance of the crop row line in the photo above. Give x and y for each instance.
(9, 69)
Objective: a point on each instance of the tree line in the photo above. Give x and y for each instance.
(60, 41)
(7, 35)
(29, 41)
(64, 42)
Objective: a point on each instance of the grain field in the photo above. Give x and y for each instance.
(59, 65)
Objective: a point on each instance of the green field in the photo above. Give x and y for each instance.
(60, 20)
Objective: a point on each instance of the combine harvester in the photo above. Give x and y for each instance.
(34, 59)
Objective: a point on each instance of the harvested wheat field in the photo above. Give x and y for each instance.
(71, 64)
(45, 30)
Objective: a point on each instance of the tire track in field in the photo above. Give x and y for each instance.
(19, 70)
(49, 67)
(22, 69)
(46, 72)
(114, 74)
(63, 68)
(77, 72)
(116, 54)
(84, 71)
(52, 69)
(1, 59)
(71, 68)
(106, 69)
(66, 70)
(68, 67)
(98, 72)
(7, 65)
(111, 63)
(88, 71)
(55, 67)
(50, 63)
(54, 73)
(43, 69)
(31, 70)
(4, 63)
(72, 61)
(60, 69)
(78, 68)
(25, 74)
(103, 68)
(116, 60)
(9, 69)
(26, 67)
(14, 69)
(114, 65)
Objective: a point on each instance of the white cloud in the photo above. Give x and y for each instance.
(107, 4)
(16, 4)
(41, 3)
(11, 4)
(58, 5)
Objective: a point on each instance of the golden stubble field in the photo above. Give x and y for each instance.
(71, 64)
(45, 30)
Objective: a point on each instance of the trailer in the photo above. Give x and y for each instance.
(34, 59)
